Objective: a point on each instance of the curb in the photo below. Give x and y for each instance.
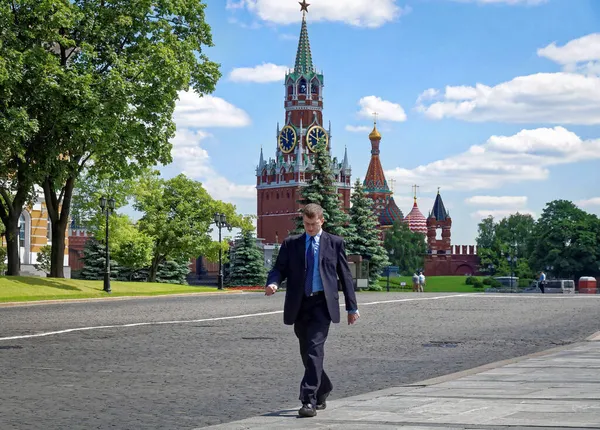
(109, 298)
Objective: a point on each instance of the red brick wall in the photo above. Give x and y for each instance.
(452, 265)
(77, 240)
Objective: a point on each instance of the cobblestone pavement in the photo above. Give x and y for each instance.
(188, 375)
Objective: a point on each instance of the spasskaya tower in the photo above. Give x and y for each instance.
(280, 179)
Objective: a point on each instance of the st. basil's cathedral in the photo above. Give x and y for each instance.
(279, 180)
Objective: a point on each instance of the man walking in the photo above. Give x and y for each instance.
(312, 263)
(421, 282)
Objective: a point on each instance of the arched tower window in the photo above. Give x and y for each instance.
(302, 86)
(314, 87)
(290, 90)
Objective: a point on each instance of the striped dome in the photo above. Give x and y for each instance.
(416, 221)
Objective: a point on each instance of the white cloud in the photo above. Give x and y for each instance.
(188, 154)
(404, 200)
(207, 111)
(360, 13)
(500, 213)
(358, 129)
(386, 110)
(509, 2)
(511, 201)
(594, 201)
(578, 55)
(525, 156)
(566, 98)
(266, 72)
(190, 157)
(193, 160)
(586, 48)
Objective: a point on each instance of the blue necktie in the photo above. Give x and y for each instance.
(310, 264)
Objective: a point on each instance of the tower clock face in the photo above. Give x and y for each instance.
(315, 135)
(287, 139)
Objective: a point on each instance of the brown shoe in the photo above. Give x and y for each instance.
(307, 410)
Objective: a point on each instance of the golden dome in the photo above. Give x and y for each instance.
(374, 135)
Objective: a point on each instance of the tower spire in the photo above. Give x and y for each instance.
(304, 62)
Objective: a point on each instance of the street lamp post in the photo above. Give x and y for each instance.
(107, 206)
(220, 221)
(391, 255)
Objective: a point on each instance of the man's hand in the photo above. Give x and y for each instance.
(270, 290)
(352, 318)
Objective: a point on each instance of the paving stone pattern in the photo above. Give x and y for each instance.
(196, 374)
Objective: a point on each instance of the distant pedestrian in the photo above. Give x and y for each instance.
(415, 281)
(421, 282)
(542, 281)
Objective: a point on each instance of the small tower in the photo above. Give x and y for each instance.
(439, 219)
(376, 186)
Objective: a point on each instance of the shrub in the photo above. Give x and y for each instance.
(469, 280)
(487, 281)
(44, 259)
(476, 282)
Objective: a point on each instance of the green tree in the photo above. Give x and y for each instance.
(274, 256)
(568, 239)
(173, 272)
(363, 237)
(91, 83)
(177, 215)
(322, 190)
(511, 236)
(94, 260)
(247, 264)
(407, 248)
(131, 248)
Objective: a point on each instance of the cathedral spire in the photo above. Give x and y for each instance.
(304, 62)
(345, 164)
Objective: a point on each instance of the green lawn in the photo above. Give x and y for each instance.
(22, 289)
(434, 284)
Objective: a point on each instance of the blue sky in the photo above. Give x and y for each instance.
(495, 101)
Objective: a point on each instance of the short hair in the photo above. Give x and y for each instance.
(312, 210)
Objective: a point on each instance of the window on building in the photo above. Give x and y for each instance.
(22, 231)
(314, 88)
(302, 86)
(49, 231)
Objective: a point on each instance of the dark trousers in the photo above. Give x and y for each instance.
(311, 328)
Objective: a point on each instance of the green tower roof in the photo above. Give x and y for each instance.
(304, 64)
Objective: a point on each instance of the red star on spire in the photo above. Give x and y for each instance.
(304, 6)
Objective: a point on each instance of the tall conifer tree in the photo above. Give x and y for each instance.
(322, 190)
(247, 262)
(363, 237)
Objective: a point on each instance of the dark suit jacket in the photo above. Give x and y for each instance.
(290, 265)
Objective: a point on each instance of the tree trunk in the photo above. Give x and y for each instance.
(154, 269)
(10, 212)
(57, 254)
(59, 208)
(12, 246)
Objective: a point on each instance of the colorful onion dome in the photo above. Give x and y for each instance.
(416, 220)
